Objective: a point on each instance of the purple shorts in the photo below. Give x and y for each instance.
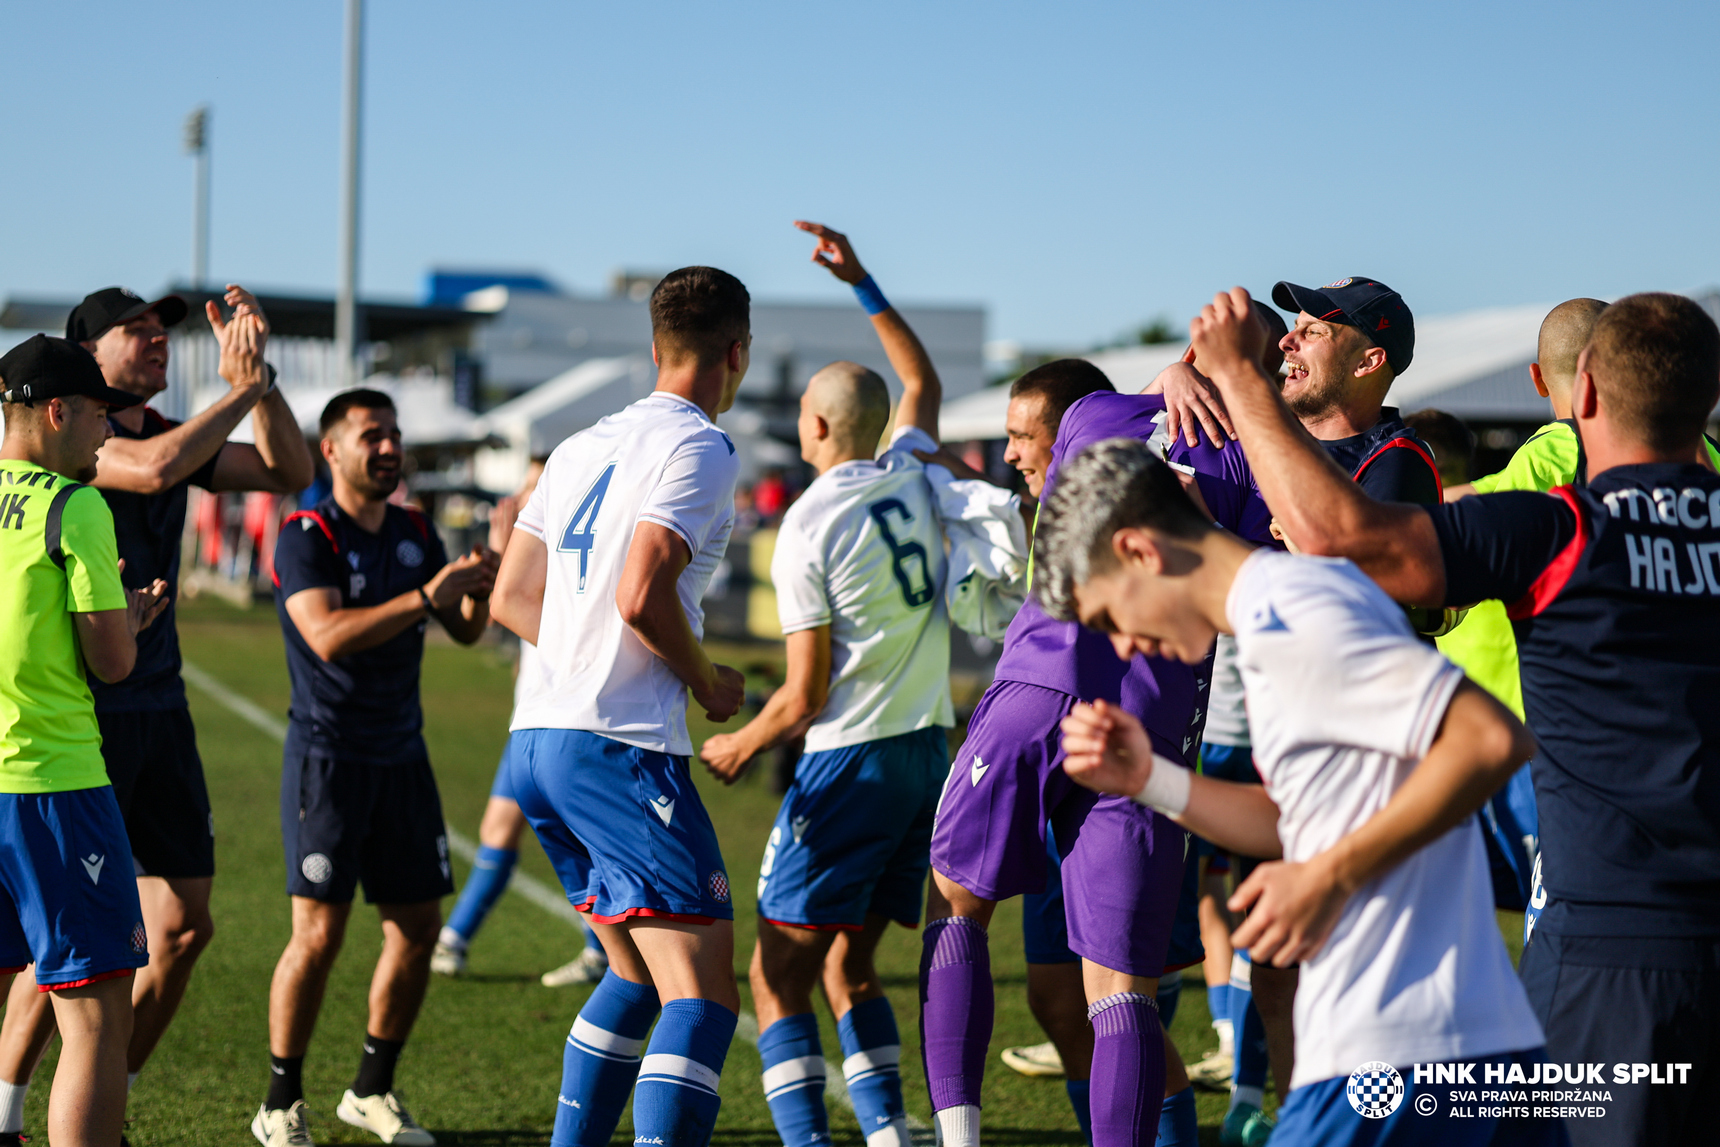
(1122, 863)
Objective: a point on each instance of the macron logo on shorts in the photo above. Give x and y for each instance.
(665, 809)
(977, 770)
(93, 866)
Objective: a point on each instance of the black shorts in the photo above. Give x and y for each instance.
(157, 779)
(343, 822)
(1633, 1000)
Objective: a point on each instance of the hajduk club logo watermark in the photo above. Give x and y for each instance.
(1375, 1090)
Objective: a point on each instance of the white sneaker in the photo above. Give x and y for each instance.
(1040, 1060)
(385, 1117)
(289, 1128)
(586, 968)
(446, 961)
(1213, 1072)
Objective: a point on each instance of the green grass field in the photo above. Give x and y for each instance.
(484, 1062)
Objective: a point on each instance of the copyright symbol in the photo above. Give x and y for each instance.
(1426, 1104)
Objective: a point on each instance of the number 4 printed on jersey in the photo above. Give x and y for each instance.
(581, 533)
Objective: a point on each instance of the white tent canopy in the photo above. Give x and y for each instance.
(428, 414)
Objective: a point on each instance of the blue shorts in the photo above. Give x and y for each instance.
(853, 837)
(503, 785)
(1425, 1114)
(343, 822)
(1228, 763)
(623, 827)
(68, 899)
(1044, 928)
(1631, 1000)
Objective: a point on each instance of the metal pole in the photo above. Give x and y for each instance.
(197, 143)
(346, 303)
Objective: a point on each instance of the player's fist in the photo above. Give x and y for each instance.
(722, 693)
(1106, 749)
(1227, 335)
(726, 757)
(1292, 909)
(834, 253)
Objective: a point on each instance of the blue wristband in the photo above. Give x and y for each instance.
(871, 298)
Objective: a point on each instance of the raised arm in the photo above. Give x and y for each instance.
(922, 392)
(1320, 509)
(1295, 906)
(650, 604)
(789, 712)
(151, 465)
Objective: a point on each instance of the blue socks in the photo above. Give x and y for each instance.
(1179, 1125)
(1218, 1003)
(1077, 1089)
(601, 1061)
(675, 1101)
(794, 1079)
(871, 1059)
(1249, 1078)
(491, 872)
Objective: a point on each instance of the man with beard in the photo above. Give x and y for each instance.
(356, 581)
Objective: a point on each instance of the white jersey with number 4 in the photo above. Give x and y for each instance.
(862, 552)
(660, 460)
(1343, 703)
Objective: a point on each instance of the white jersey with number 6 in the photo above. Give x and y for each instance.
(660, 460)
(862, 552)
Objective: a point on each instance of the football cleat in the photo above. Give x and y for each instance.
(1212, 1073)
(1246, 1126)
(586, 968)
(288, 1128)
(446, 961)
(1040, 1061)
(385, 1117)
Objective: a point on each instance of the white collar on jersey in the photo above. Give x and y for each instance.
(678, 400)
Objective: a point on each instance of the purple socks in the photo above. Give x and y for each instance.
(1128, 1084)
(956, 1009)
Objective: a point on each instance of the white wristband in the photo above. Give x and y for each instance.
(1167, 789)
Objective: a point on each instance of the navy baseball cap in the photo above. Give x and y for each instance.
(1372, 308)
(112, 306)
(44, 367)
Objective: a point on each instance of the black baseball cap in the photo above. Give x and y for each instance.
(1371, 307)
(43, 367)
(112, 306)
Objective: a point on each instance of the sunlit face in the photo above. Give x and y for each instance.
(1320, 361)
(1142, 612)
(364, 452)
(1031, 440)
(85, 427)
(133, 355)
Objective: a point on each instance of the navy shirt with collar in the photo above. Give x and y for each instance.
(149, 529)
(1614, 592)
(1395, 464)
(363, 707)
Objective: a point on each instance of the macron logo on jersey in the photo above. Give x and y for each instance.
(798, 824)
(93, 866)
(977, 770)
(665, 809)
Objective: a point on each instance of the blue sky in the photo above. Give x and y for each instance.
(1078, 168)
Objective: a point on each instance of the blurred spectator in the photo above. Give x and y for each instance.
(770, 496)
(1452, 442)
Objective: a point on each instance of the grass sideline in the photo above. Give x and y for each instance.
(484, 1061)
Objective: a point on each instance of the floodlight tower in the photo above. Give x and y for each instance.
(197, 145)
(346, 302)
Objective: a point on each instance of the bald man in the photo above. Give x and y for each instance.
(859, 571)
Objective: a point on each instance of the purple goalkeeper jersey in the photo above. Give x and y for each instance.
(1168, 696)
